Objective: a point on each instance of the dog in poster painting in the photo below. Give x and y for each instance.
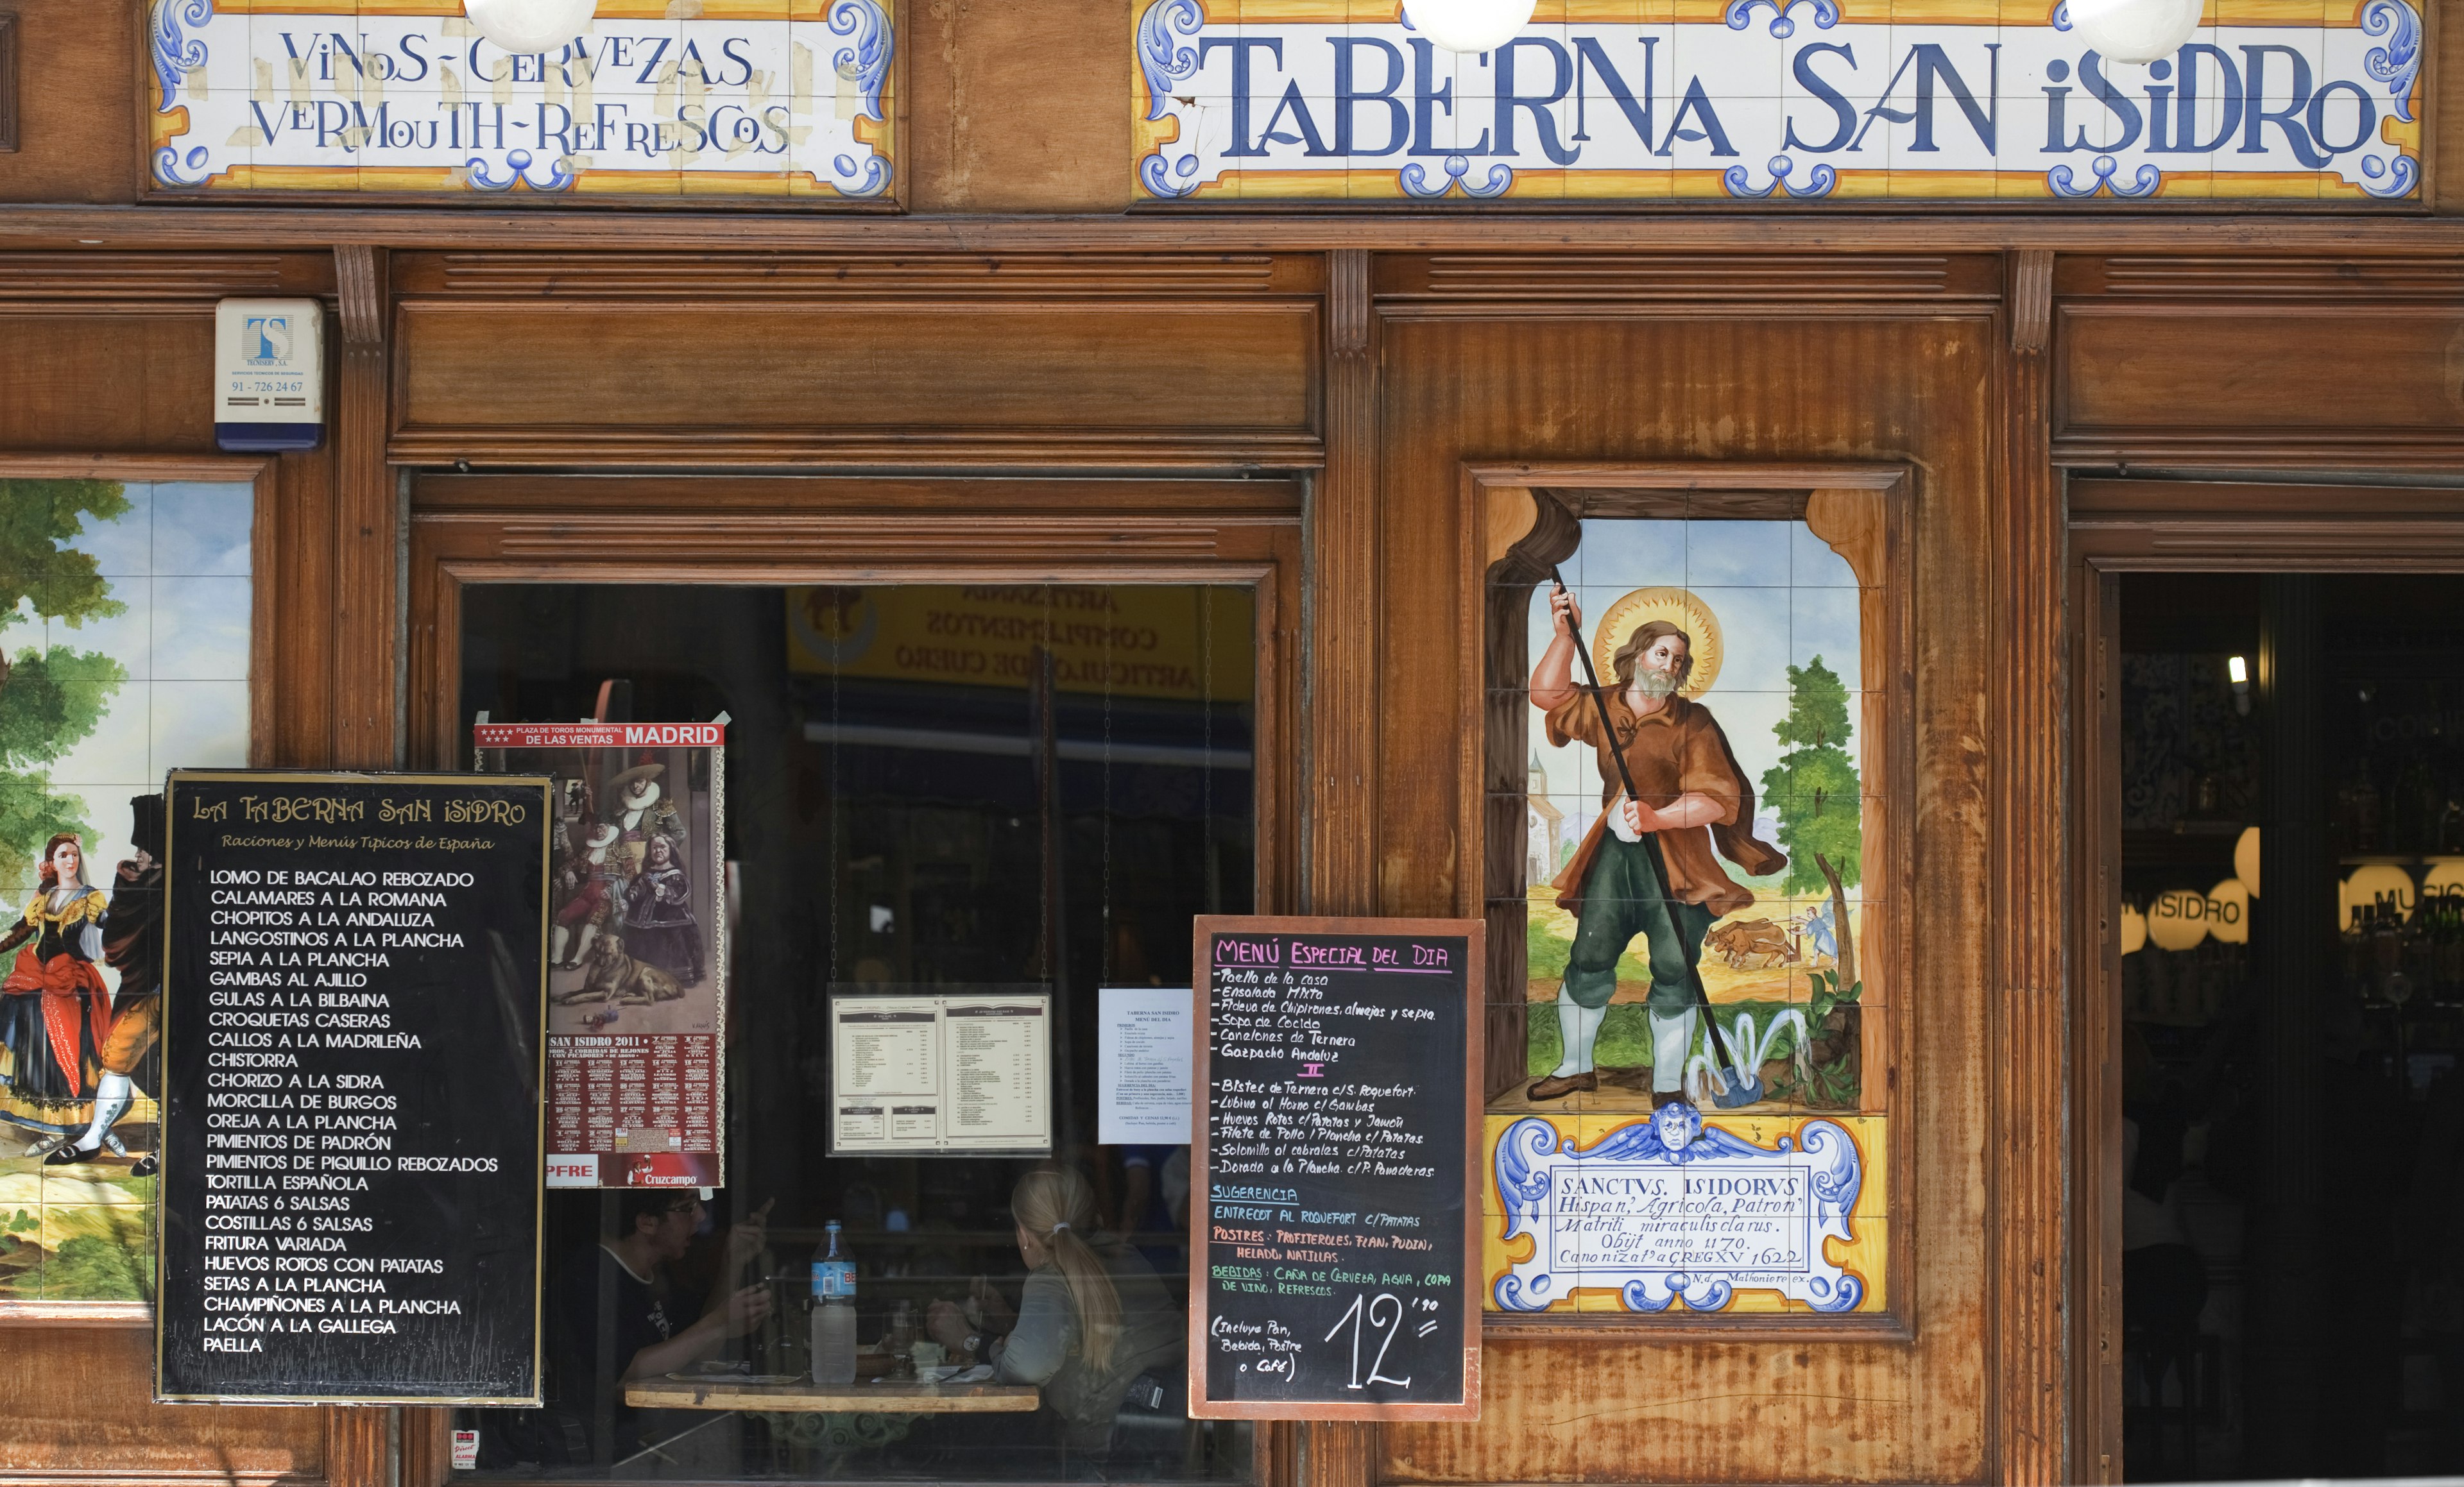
(611, 975)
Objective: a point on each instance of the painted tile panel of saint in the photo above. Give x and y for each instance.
(1733, 687)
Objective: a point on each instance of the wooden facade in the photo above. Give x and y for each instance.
(1022, 371)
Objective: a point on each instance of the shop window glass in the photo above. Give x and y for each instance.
(125, 613)
(997, 793)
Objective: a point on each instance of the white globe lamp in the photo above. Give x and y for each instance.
(1469, 25)
(2135, 31)
(525, 26)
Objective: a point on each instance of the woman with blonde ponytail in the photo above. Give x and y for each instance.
(1092, 1317)
(1056, 1214)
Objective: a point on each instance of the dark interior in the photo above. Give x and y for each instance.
(893, 832)
(2293, 1287)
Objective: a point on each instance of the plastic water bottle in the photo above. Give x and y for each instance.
(833, 1311)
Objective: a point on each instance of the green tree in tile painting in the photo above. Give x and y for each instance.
(38, 519)
(50, 697)
(1814, 787)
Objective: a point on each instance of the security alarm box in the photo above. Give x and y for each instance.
(268, 374)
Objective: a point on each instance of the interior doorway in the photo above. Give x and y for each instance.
(2276, 783)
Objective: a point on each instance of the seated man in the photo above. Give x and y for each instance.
(616, 1314)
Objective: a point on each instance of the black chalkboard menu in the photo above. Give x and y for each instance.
(1335, 1172)
(352, 993)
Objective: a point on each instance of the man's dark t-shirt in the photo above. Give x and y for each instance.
(642, 1314)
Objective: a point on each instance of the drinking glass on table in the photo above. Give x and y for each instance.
(901, 1340)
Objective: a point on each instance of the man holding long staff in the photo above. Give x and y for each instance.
(1668, 774)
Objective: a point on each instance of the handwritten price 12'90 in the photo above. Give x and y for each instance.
(1385, 1311)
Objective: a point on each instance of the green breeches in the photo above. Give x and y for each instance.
(1621, 899)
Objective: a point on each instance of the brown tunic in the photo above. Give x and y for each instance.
(1677, 751)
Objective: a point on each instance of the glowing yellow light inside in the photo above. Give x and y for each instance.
(2229, 913)
(2362, 891)
(2178, 919)
(2246, 860)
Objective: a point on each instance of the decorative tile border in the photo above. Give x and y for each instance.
(782, 98)
(1773, 100)
(1670, 1212)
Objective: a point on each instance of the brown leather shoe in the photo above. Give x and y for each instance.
(1557, 1086)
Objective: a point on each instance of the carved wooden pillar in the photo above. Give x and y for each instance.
(362, 1444)
(358, 1447)
(2029, 1390)
(1340, 685)
(1339, 713)
(1337, 1454)
(8, 109)
(363, 521)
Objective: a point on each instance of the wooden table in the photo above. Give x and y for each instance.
(892, 1396)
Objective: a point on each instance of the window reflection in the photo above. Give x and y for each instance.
(929, 789)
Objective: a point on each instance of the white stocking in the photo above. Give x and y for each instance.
(110, 1101)
(1578, 1029)
(1672, 1043)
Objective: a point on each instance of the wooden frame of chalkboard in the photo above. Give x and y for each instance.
(404, 818)
(1463, 1007)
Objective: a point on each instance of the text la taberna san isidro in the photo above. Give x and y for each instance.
(312, 1058)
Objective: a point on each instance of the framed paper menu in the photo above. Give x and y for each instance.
(941, 1071)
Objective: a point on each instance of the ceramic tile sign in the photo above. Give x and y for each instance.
(787, 100)
(637, 947)
(1674, 1212)
(352, 997)
(1623, 101)
(1707, 982)
(1334, 1185)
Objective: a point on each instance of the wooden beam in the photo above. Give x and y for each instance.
(2357, 230)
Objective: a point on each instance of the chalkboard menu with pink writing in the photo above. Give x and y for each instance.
(352, 1000)
(1335, 1191)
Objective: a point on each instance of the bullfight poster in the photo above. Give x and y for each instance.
(637, 947)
